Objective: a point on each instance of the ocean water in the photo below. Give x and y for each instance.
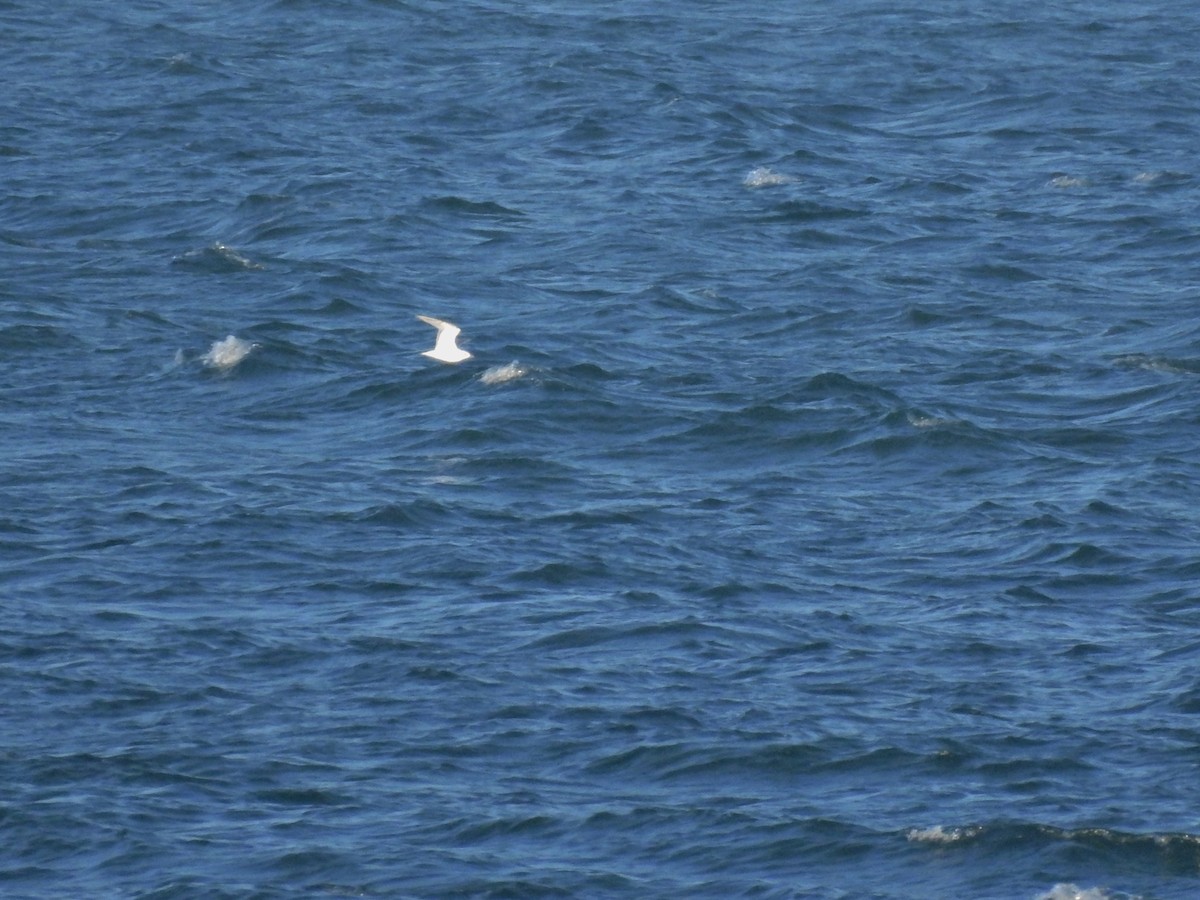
(817, 516)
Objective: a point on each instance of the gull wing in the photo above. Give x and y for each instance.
(445, 329)
(445, 348)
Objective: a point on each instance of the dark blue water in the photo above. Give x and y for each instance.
(816, 518)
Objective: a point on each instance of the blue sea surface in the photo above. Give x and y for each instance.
(818, 515)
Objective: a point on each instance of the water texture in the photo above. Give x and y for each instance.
(815, 518)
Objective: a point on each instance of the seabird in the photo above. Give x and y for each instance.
(445, 349)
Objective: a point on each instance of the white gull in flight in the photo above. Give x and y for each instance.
(445, 349)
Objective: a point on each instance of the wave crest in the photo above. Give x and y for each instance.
(941, 835)
(225, 354)
(764, 177)
(1074, 892)
(216, 259)
(502, 374)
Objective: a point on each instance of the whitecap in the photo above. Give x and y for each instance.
(1156, 364)
(764, 177)
(179, 62)
(501, 374)
(939, 835)
(916, 420)
(224, 355)
(1067, 181)
(1074, 892)
(233, 257)
(1159, 177)
(217, 258)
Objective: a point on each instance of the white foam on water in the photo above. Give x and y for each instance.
(1067, 181)
(917, 420)
(1153, 364)
(1156, 176)
(502, 374)
(220, 256)
(225, 354)
(232, 256)
(1074, 892)
(941, 835)
(764, 177)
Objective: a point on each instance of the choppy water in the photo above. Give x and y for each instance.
(816, 518)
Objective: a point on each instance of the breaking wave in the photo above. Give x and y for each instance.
(223, 355)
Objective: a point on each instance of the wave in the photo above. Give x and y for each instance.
(1074, 892)
(764, 177)
(503, 374)
(225, 354)
(1154, 362)
(216, 259)
(463, 206)
(39, 338)
(1160, 178)
(1168, 853)
(939, 834)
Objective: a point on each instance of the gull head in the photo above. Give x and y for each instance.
(445, 348)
